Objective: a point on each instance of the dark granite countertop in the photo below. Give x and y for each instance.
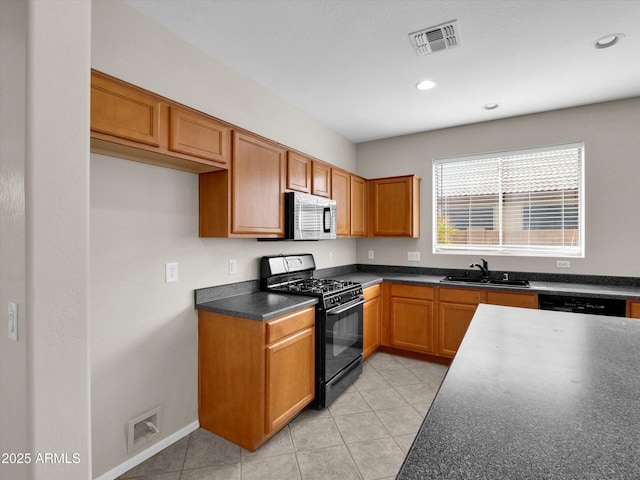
(535, 395)
(554, 288)
(261, 306)
(245, 300)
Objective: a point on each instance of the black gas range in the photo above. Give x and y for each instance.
(339, 318)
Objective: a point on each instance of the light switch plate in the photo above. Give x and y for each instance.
(12, 325)
(413, 256)
(233, 267)
(371, 254)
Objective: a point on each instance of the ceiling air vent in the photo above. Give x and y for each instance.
(434, 39)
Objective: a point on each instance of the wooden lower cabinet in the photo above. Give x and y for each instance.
(409, 318)
(434, 320)
(372, 323)
(253, 376)
(633, 310)
(513, 299)
(456, 308)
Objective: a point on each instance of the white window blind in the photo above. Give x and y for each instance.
(525, 202)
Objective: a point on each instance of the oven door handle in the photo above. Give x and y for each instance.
(343, 308)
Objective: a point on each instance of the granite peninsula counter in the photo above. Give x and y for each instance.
(535, 395)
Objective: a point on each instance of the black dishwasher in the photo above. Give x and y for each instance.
(594, 306)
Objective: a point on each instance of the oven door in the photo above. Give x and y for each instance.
(343, 337)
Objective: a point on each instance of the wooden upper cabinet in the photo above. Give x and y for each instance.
(258, 180)
(197, 135)
(247, 200)
(350, 193)
(358, 214)
(124, 112)
(321, 179)
(395, 207)
(340, 184)
(133, 123)
(298, 172)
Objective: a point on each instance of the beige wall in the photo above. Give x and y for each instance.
(14, 394)
(144, 331)
(610, 134)
(44, 381)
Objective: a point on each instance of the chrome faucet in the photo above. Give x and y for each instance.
(484, 268)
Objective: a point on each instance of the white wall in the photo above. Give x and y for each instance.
(144, 332)
(44, 121)
(610, 134)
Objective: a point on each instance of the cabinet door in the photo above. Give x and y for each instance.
(321, 179)
(124, 112)
(411, 324)
(634, 309)
(453, 321)
(340, 193)
(290, 375)
(395, 208)
(198, 136)
(358, 195)
(372, 320)
(513, 299)
(298, 172)
(258, 178)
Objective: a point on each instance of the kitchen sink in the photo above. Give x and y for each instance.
(485, 281)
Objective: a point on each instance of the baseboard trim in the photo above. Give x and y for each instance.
(149, 452)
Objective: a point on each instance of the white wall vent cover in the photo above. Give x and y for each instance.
(435, 39)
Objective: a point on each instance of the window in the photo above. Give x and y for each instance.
(524, 202)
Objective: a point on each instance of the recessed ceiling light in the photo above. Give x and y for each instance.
(490, 106)
(608, 40)
(426, 85)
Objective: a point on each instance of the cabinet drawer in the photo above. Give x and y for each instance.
(284, 326)
(460, 295)
(371, 292)
(510, 299)
(411, 291)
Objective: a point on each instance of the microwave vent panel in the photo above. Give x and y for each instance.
(435, 39)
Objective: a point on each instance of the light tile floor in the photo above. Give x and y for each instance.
(364, 435)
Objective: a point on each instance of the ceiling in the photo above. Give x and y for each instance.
(351, 64)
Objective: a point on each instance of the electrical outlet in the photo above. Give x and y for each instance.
(413, 256)
(563, 264)
(171, 272)
(370, 254)
(233, 267)
(12, 326)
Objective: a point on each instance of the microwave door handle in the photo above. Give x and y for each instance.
(326, 220)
